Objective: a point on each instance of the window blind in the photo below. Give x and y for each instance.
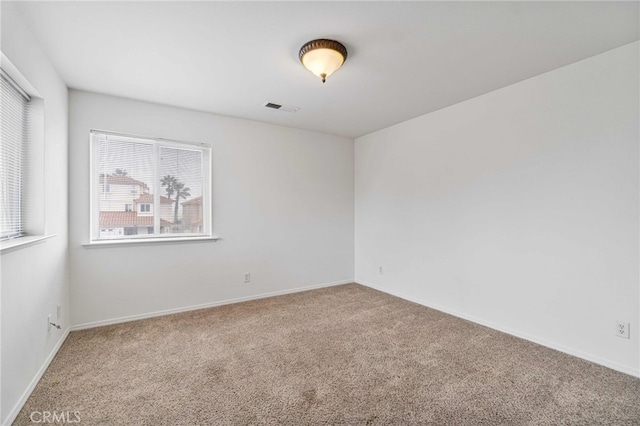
(148, 188)
(14, 132)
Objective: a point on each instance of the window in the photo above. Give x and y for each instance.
(14, 131)
(158, 188)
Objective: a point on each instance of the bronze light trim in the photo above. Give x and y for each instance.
(323, 65)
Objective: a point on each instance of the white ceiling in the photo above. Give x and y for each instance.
(405, 58)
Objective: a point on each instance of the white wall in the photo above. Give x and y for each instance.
(282, 204)
(34, 279)
(517, 209)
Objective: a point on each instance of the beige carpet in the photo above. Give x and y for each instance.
(340, 355)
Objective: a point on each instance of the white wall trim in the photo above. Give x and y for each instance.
(552, 345)
(148, 241)
(23, 242)
(203, 306)
(27, 392)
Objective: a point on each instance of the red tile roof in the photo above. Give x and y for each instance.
(122, 180)
(148, 198)
(197, 200)
(122, 219)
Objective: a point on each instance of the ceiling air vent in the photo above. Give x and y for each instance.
(285, 108)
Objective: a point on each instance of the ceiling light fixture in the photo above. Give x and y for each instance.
(322, 57)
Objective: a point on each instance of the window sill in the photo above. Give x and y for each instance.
(149, 241)
(22, 242)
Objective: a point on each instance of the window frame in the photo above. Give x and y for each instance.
(94, 195)
(34, 212)
(17, 201)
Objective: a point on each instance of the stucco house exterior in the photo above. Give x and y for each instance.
(192, 214)
(127, 208)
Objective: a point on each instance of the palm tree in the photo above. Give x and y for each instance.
(170, 182)
(174, 186)
(181, 192)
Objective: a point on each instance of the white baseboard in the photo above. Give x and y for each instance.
(202, 306)
(552, 345)
(27, 392)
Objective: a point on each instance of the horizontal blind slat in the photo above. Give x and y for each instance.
(14, 129)
(147, 187)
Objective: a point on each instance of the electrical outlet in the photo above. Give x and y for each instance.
(49, 322)
(58, 311)
(381, 270)
(247, 277)
(622, 329)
